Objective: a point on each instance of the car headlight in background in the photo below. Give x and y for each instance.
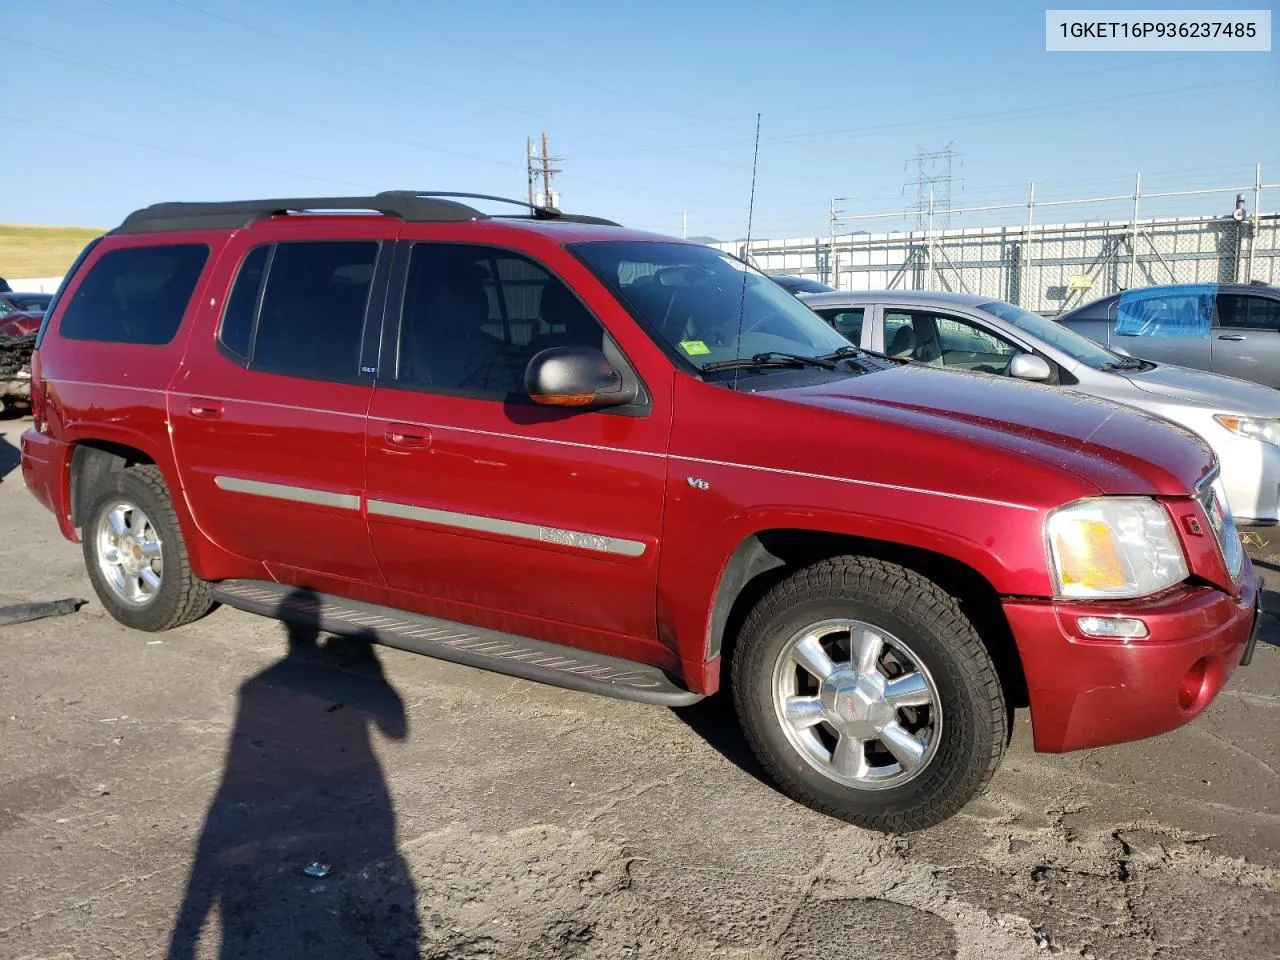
(1265, 429)
(1113, 547)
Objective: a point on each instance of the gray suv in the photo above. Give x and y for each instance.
(1231, 329)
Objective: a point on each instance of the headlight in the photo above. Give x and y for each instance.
(1265, 429)
(1113, 547)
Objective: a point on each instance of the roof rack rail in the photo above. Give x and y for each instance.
(536, 211)
(408, 205)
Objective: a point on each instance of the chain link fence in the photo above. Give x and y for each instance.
(1049, 268)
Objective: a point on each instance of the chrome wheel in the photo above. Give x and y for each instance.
(857, 704)
(129, 553)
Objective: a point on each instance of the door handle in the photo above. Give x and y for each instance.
(403, 435)
(1234, 336)
(205, 409)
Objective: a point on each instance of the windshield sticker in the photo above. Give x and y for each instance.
(694, 348)
(1182, 315)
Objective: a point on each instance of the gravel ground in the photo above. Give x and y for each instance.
(161, 795)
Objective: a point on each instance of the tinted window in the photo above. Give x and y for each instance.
(1241, 310)
(313, 308)
(474, 316)
(136, 295)
(237, 322)
(847, 321)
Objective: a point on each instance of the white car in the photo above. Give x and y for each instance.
(1238, 419)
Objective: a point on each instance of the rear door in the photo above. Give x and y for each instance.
(1246, 337)
(268, 411)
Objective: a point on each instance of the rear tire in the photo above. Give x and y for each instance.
(135, 554)
(910, 723)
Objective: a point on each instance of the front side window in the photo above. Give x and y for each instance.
(135, 295)
(946, 341)
(1184, 314)
(704, 306)
(312, 309)
(474, 316)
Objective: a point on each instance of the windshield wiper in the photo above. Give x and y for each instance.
(771, 358)
(1125, 363)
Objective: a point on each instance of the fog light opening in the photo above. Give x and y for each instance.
(1192, 686)
(1124, 628)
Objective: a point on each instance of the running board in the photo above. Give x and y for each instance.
(505, 653)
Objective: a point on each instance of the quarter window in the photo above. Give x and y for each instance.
(135, 295)
(474, 316)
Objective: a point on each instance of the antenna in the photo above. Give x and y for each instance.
(746, 251)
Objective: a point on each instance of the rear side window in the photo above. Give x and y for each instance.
(135, 295)
(306, 318)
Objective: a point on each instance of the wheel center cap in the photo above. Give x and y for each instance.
(855, 702)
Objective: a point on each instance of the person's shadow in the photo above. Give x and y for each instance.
(302, 785)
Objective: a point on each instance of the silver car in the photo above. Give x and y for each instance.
(1239, 420)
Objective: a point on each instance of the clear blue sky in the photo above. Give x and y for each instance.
(113, 104)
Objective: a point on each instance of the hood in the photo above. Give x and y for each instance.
(1225, 394)
(1118, 449)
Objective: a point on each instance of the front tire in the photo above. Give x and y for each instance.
(868, 695)
(135, 555)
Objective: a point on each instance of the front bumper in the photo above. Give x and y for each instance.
(1086, 692)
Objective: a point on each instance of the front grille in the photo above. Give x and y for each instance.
(1213, 498)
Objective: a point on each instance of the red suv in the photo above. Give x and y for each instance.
(552, 447)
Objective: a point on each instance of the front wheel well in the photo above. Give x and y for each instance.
(93, 460)
(765, 558)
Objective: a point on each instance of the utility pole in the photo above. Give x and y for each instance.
(528, 166)
(540, 166)
(933, 170)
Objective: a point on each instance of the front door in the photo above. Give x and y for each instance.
(1167, 326)
(1246, 338)
(541, 521)
(268, 410)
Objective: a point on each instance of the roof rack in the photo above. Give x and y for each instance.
(408, 205)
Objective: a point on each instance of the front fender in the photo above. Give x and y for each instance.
(703, 566)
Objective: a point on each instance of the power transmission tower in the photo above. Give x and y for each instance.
(540, 166)
(933, 179)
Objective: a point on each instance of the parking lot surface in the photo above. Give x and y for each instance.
(162, 795)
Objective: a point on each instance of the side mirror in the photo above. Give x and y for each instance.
(1027, 366)
(575, 377)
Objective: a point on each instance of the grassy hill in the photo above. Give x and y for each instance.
(40, 251)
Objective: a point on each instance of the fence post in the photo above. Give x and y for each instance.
(1024, 281)
(1253, 233)
(1133, 233)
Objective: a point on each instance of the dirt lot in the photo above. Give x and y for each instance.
(150, 785)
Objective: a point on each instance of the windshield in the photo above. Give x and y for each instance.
(705, 306)
(1053, 333)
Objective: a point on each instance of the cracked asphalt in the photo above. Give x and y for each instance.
(160, 796)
